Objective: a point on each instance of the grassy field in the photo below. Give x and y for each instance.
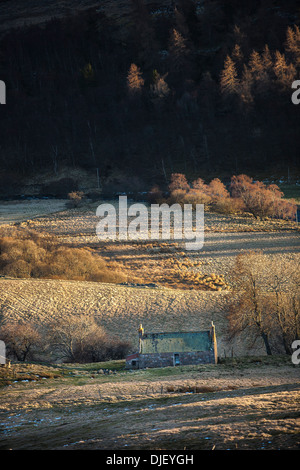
(241, 403)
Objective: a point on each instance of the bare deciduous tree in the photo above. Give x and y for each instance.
(265, 300)
(21, 339)
(70, 336)
(81, 339)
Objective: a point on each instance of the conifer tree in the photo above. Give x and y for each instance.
(285, 73)
(237, 54)
(267, 59)
(159, 87)
(178, 50)
(293, 44)
(135, 81)
(256, 65)
(180, 21)
(259, 73)
(229, 82)
(245, 89)
(239, 36)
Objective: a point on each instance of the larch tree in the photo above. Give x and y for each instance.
(180, 21)
(229, 82)
(187, 8)
(245, 89)
(238, 57)
(240, 37)
(259, 73)
(179, 53)
(135, 81)
(292, 44)
(256, 64)
(267, 59)
(285, 73)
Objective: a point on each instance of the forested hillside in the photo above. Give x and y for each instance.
(195, 87)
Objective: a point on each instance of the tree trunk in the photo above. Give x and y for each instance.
(267, 344)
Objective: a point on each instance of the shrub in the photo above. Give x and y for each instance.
(285, 209)
(75, 198)
(25, 254)
(261, 200)
(245, 195)
(217, 190)
(198, 193)
(228, 205)
(22, 340)
(199, 185)
(197, 196)
(178, 181)
(177, 196)
(81, 339)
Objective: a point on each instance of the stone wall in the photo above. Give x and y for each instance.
(167, 359)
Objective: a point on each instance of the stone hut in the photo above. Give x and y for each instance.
(172, 349)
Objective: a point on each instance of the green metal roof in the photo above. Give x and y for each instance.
(176, 342)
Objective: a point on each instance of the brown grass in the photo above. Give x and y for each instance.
(251, 406)
(191, 389)
(28, 254)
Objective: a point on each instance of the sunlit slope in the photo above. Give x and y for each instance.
(119, 309)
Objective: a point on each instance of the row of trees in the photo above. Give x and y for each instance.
(243, 194)
(248, 78)
(70, 339)
(264, 72)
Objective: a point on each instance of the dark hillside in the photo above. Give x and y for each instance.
(135, 88)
